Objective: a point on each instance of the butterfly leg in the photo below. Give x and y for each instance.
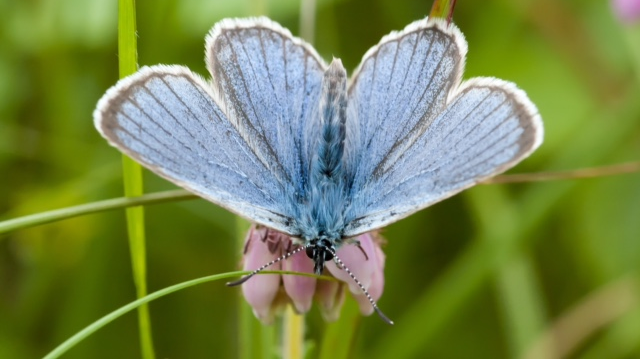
(357, 243)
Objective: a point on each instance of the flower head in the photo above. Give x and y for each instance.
(268, 294)
(626, 10)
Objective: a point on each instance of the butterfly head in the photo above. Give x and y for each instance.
(319, 251)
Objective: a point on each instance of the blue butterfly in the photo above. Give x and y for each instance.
(281, 138)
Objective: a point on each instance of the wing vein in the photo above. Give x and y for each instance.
(261, 133)
(415, 133)
(490, 156)
(133, 137)
(473, 128)
(198, 120)
(151, 119)
(153, 96)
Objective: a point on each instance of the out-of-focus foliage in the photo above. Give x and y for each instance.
(493, 272)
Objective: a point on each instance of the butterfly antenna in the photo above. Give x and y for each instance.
(279, 259)
(369, 297)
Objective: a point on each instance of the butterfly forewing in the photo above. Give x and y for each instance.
(270, 83)
(401, 85)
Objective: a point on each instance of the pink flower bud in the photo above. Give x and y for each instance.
(626, 10)
(376, 287)
(260, 291)
(360, 261)
(299, 288)
(330, 296)
(267, 294)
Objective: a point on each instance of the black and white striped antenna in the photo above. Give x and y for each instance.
(342, 266)
(338, 262)
(277, 260)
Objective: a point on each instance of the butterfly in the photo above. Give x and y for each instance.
(287, 141)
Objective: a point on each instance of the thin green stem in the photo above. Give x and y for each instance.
(338, 338)
(98, 324)
(93, 207)
(443, 9)
(600, 171)
(581, 321)
(132, 177)
(294, 331)
(181, 195)
(307, 20)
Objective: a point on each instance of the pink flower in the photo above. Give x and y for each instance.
(268, 294)
(626, 10)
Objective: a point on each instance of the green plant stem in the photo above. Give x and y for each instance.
(307, 20)
(98, 324)
(443, 9)
(132, 177)
(93, 207)
(593, 172)
(338, 337)
(181, 195)
(293, 334)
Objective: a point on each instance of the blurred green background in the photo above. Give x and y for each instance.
(493, 272)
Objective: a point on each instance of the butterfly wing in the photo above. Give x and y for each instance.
(422, 136)
(271, 84)
(217, 145)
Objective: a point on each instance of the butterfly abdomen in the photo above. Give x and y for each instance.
(328, 166)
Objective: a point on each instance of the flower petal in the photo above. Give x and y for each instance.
(330, 296)
(626, 10)
(376, 288)
(260, 291)
(362, 267)
(300, 288)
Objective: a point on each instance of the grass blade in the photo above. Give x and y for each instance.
(132, 177)
(93, 207)
(98, 324)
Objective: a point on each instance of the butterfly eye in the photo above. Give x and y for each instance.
(310, 252)
(328, 256)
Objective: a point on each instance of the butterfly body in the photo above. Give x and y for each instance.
(321, 226)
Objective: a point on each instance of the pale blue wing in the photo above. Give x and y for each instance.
(481, 128)
(240, 141)
(166, 118)
(270, 83)
(399, 88)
